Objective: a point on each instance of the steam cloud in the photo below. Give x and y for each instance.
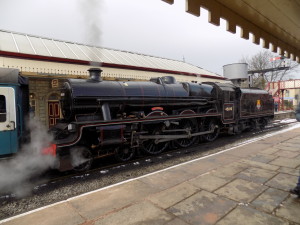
(15, 174)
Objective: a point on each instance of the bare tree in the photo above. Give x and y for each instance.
(262, 61)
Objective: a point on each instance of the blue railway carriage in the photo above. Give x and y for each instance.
(14, 108)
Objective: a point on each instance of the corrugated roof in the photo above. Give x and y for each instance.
(40, 46)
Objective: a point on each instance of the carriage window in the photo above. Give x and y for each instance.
(2, 108)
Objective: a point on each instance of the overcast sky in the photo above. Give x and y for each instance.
(150, 27)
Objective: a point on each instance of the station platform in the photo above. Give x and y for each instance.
(284, 115)
(247, 184)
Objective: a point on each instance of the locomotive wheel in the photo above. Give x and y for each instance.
(150, 147)
(187, 124)
(124, 153)
(211, 125)
(81, 158)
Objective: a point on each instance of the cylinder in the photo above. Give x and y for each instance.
(236, 71)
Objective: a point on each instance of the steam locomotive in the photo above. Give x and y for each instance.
(120, 118)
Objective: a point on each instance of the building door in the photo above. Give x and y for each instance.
(53, 112)
(8, 121)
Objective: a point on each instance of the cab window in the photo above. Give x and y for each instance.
(2, 108)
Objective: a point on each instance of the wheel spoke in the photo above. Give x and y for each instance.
(124, 153)
(149, 146)
(211, 125)
(193, 127)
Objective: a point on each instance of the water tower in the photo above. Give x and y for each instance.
(237, 73)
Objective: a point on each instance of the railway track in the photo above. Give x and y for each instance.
(105, 165)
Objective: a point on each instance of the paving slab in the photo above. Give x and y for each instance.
(290, 209)
(167, 179)
(177, 221)
(230, 170)
(291, 171)
(287, 148)
(209, 182)
(199, 167)
(202, 208)
(286, 162)
(60, 214)
(248, 150)
(294, 141)
(241, 190)
(142, 213)
(256, 175)
(270, 151)
(171, 196)
(287, 154)
(277, 139)
(97, 204)
(263, 158)
(250, 216)
(282, 181)
(260, 165)
(208, 164)
(269, 200)
(291, 143)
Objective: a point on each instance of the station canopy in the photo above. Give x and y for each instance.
(274, 23)
(19, 45)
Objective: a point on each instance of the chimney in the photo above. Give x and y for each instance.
(95, 74)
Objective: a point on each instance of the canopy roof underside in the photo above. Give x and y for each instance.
(274, 23)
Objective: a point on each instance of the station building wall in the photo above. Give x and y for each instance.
(46, 79)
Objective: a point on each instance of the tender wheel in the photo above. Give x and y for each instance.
(238, 129)
(81, 158)
(124, 153)
(152, 148)
(211, 125)
(193, 127)
(263, 123)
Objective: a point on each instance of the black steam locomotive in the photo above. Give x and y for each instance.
(117, 118)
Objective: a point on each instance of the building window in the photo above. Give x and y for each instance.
(32, 103)
(2, 108)
(287, 93)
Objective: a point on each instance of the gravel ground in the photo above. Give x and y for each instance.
(46, 193)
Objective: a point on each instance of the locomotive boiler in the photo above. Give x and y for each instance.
(121, 118)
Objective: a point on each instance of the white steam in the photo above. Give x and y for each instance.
(91, 11)
(15, 174)
(77, 158)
